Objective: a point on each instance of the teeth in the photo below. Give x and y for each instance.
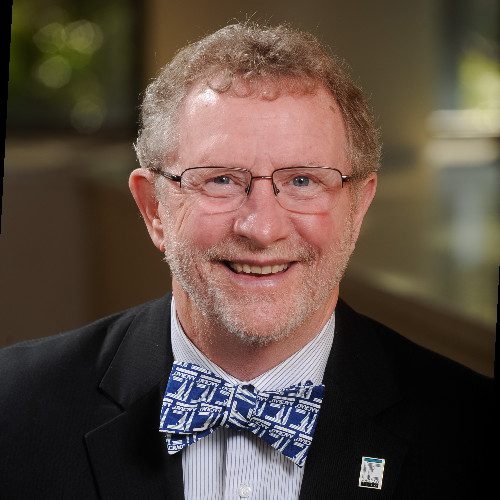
(247, 269)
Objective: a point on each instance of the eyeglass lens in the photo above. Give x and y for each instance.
(298, 189)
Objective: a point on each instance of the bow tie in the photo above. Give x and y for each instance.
(197, 402)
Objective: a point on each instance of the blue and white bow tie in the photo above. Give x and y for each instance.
(197, 402)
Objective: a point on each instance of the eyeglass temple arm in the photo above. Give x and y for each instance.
(167, 175)
(354, 177)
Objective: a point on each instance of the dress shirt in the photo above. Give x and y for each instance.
(230, 464)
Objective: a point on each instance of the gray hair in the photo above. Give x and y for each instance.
(290, 60)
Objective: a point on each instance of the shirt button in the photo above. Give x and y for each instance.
(245, 490)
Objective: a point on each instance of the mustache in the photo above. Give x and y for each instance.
(234, 247)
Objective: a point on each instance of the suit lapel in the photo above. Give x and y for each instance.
(127, 453)
(359, 386)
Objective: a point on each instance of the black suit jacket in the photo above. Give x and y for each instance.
(79, 415)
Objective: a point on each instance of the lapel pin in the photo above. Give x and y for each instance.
(371, 473)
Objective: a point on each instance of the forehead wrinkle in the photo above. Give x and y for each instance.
(210, 155)
(257, 159)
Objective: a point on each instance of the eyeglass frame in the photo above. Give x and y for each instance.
(248, 189)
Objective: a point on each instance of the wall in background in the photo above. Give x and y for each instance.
(74, 248)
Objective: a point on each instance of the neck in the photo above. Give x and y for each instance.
(243, 359)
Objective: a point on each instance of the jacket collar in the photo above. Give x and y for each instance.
(360, 365)
(127, 453)
(144, 356)
(359, 387)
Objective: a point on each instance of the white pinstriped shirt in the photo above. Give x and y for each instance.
(231, 465)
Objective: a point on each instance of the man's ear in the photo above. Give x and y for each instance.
(141, 184)
(364, 196)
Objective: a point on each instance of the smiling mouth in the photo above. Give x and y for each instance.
(241, 268)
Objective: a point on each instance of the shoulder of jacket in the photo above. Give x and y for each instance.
(89, 348)
(418, 366)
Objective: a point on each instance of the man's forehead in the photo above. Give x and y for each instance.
(203, 96)
(223, 127)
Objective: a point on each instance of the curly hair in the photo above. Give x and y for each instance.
(269, 60)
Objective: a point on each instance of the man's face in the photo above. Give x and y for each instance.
(211, 255)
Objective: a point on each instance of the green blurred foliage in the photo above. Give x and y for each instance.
(71, 65)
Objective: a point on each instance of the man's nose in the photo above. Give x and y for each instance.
(261, 219)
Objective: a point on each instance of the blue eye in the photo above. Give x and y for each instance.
(221, 179)
(301, 180)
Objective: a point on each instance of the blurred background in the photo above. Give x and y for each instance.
(73, 247)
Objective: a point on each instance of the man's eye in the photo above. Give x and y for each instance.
(301, 181)
(222, 180)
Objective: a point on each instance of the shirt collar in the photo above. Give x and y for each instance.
(308, 363)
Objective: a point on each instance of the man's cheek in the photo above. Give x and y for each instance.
(318, 231)
(205, 231)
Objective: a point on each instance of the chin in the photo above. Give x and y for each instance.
(258, 335)
(258, 322)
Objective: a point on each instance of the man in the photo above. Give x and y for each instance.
(258, 163)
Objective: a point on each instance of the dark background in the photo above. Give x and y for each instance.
(74, 248)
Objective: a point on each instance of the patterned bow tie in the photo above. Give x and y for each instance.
(197, 401)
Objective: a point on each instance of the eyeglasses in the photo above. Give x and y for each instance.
(307, 190)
